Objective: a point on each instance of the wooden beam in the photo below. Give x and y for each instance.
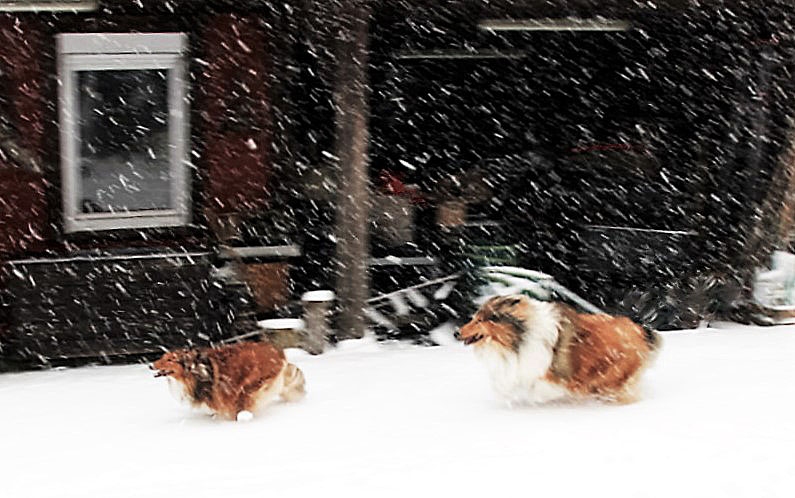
(351, 93)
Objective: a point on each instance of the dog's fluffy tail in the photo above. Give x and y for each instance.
(293, 383)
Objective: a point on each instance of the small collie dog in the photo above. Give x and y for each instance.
(538, 351)
(232, 381)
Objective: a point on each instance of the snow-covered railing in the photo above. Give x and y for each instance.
(107, 257)
(387, 309)
(413, 304)
(280, 251)
(536, 284)
(401, 301)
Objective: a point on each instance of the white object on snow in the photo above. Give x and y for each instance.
(245, 416)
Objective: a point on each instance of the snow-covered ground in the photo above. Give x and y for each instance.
(718, 420)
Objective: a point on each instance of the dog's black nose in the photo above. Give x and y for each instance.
(457, 335)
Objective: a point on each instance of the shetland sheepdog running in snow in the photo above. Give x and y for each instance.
(233, 381)
(538, 351)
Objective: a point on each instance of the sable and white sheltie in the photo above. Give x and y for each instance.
(232, 381)
(538, 351)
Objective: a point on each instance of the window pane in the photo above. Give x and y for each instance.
(124, 146)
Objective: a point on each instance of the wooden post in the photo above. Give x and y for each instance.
(316, 310)
(351, 95)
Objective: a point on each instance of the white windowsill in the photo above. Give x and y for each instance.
(111, 221)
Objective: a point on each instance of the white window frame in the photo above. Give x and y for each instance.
(48, 5)
(123, 51)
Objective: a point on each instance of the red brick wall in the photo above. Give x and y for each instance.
(232, 100)
(23, 213)
(236, 113)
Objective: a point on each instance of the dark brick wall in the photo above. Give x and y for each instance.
(121, 304)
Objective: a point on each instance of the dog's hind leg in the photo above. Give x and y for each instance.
(264, 396)
(630, 392)
(289, 384)
(294, 383)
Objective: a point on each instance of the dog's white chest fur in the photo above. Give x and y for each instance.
(181, 393)
(519, 376)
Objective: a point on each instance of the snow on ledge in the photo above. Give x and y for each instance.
(318, 296)
(282, 324)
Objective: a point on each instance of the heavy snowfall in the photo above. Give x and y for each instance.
(385, 419)
(342, 175)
